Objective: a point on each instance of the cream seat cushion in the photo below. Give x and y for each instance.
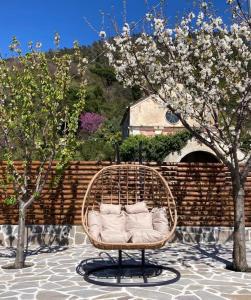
(111, 236)
(94, 224)
(113, 222)
(145, 236)
(113, 228)
(139, 221)
(110, 209)
(160, 220)
(139, 207)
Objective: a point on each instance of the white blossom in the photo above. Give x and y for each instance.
(197, 71)
(38, 45)
(102, 34)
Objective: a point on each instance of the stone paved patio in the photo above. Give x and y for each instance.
(53, 276)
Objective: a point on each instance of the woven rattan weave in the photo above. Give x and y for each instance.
(127, 184)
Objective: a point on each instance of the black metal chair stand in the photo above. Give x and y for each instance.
(143, 270)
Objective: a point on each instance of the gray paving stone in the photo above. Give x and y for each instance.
(69, 289)
(195, 287)
(25, 285)
(8, 294)
(244, 291)
(187, 297)
(5, 278)
(74, 298)
(27, 297)
(114, 295)
(66, 283)
(169, 290)
(29, 291)
(238, 297)
(208, 296)
(50, 286)
(54, 276)
(85, 294)
(223, 289)
(220, 283)
(126, 298)
(46, 295)
(145, 293)
(212, 291)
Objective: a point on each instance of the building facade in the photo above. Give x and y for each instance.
(150, 117)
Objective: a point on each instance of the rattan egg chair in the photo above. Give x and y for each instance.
(127, 184)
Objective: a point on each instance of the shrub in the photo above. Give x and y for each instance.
(129, 150)
(95, 150)
(154, 148)
(90, 122)
(105, 72)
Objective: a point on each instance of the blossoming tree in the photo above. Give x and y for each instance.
(201, 70)
(90, 122)
(36, 123)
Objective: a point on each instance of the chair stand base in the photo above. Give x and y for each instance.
(119, 271)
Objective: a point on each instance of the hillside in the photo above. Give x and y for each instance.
(105, 96)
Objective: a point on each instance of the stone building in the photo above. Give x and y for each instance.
(151, 117)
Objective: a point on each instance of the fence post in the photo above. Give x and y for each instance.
(140, 152)
(117, 153)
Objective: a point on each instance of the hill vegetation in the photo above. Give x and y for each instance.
(104, 96)
(105, 103)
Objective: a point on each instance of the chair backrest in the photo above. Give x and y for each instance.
(127, 184)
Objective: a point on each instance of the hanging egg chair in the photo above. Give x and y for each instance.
(120, 203)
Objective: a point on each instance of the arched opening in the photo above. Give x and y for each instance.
(200, 156)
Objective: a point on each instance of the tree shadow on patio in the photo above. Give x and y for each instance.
(190, 254)
(214, 252)
(10, 252)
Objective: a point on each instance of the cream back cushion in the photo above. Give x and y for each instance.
(110, 209)
(139, 221)
(113, 222)
(111, 236)
(160, 220)
(94, 224)
(139, 207)
(146, 236)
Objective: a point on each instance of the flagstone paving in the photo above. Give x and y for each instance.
(56, 274)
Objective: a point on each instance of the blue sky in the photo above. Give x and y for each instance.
(31, 20)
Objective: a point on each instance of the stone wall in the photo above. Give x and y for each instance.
(200, 234)
(43, 235)
(70, 235)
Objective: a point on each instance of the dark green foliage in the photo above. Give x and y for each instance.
(95, 149)
(109, 132)
(161, 145)
(154, 148)
(11, 200)
(129, 150)
(246, 142)
(136, 92)
(95, 100)
(106, 73)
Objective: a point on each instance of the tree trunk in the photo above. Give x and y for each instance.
(239, 246)
(19, 261)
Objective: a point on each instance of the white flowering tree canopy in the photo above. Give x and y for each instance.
(200, 69)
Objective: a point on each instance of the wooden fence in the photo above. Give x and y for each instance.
(202, 193)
